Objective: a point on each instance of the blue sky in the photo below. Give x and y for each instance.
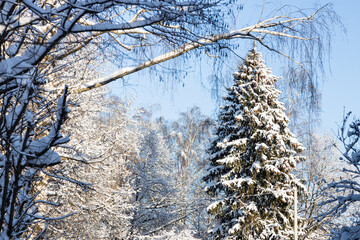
(340, 88)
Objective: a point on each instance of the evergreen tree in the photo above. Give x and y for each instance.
(251, 159)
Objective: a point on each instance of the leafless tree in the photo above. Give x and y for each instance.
(103, 150)
(347, 191)
(25, 143)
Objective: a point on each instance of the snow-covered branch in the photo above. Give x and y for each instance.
(347, 191)
(23, 153)
(251, 32)
(31, 30)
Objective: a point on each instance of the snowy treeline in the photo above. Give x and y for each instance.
(143, 184)
(142, 177)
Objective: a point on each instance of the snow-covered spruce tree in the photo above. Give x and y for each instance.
(251, 159)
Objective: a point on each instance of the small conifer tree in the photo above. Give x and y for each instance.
(251, 159)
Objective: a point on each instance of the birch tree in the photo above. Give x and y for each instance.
(321, 166)
(154, 185)
(172, 161)
(187, 139)
(40, 33)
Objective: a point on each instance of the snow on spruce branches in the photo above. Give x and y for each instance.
(252, 158)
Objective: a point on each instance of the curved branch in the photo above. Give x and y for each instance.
(260, 28)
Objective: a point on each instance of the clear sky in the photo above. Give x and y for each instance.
(340, 89)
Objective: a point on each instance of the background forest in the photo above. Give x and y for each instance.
(80, 162)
